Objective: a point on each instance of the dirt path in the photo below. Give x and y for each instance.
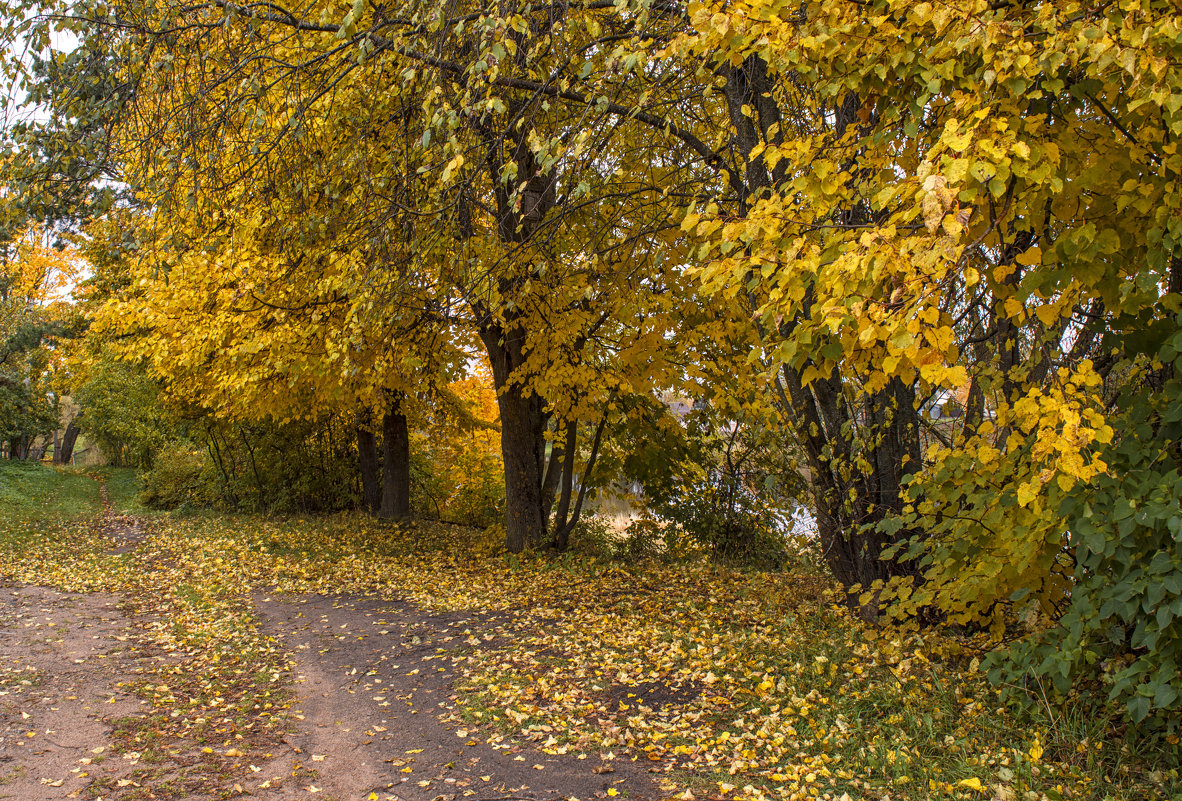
(374, 680)
(62, 657)
(372, 720)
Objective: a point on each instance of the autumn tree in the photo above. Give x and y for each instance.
(34, 280)
(975, 203)
(515, 152)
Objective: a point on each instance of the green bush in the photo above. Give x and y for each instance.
(720, 482)
(299, 466)
(123, 414)
(175, 481)
(1119, 639)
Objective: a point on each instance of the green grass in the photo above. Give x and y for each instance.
(123, 488)
(34, 495)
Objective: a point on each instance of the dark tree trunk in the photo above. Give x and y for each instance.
(66, 452)
(529, 493)
(567, 518)
(367, 464)
(561, 531)
(396, 462)
(848, 499)
(848, 502)
(523, 441)
(523, 449)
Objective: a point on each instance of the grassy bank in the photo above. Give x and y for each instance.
(36, 497)
(123, 487)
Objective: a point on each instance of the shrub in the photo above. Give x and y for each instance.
(456, 469)
(720, 482)
(1120, 634)
(175, 481)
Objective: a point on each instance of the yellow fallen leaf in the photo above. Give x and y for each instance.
(972, 784)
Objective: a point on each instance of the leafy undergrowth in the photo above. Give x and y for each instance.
(731, 684)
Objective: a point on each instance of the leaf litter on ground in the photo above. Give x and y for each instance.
(728, 684)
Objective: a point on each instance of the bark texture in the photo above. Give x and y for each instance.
(69, 438)
(523, 441)
(370, 470)
(396, 463)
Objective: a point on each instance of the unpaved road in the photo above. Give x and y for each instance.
(372, 680)
(62, 656)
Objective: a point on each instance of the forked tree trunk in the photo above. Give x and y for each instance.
(367, 464)
(858, 459)
(396, 462)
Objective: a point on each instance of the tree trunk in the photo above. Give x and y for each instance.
(858, 458)
(66, 452)
(561, 532)
(522, 448)
(396, 458)
(523, 441)
(38, 451)
(367, 464)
